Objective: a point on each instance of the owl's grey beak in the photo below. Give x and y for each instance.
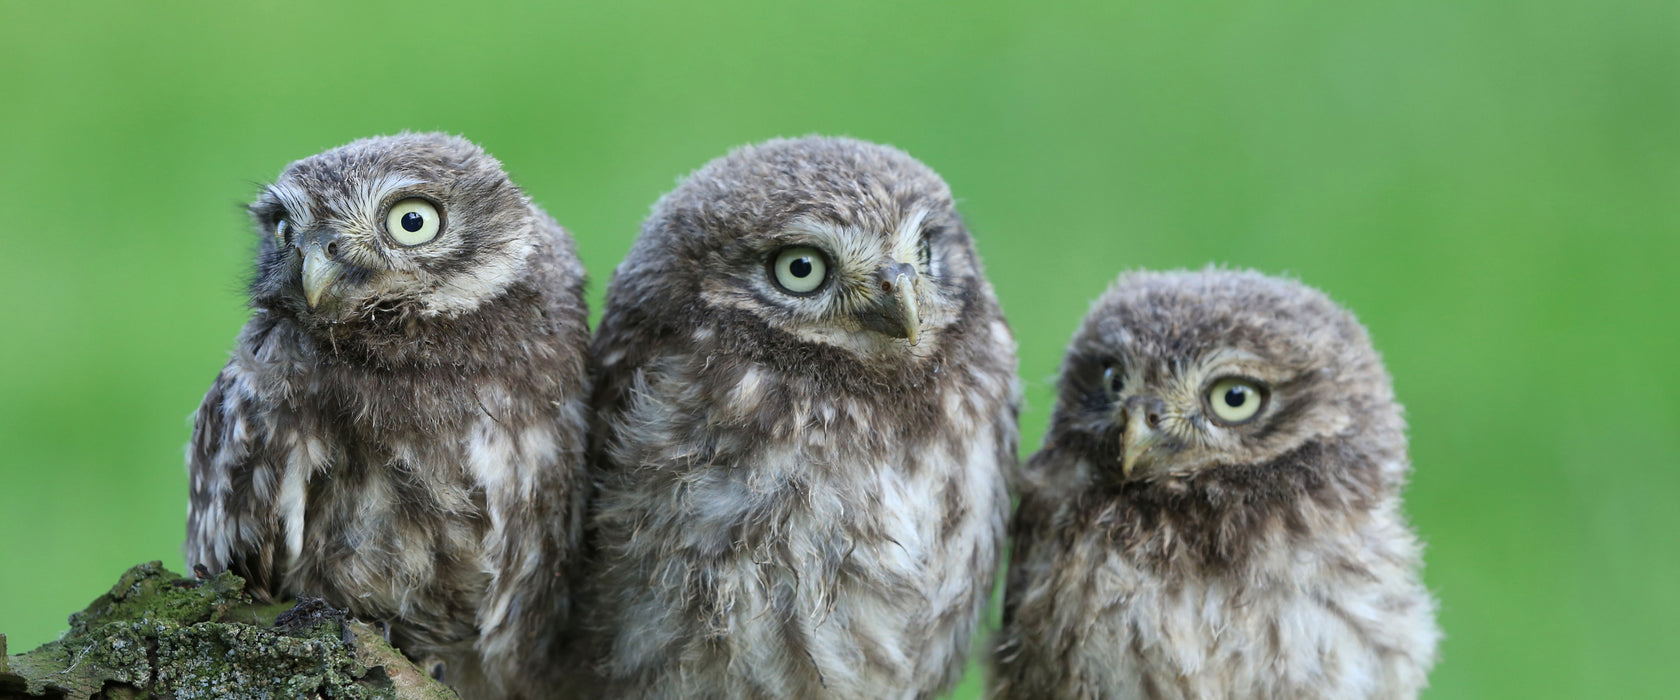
(1141, 418)
(894, 313)
(320, 271)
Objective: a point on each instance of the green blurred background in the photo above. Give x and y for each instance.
(1494, 186)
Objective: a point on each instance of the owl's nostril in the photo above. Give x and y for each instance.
(332, 249)
(1153, 419)
(895, 277)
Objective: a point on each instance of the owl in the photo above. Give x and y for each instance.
(806, 411)
(1215, 512)
(401, 429)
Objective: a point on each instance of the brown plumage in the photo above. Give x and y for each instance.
(806, 406)
(401, 428)
(1215, 512)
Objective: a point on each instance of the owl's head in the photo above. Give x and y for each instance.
(828, 241)
(1173, 375)
(419, 224)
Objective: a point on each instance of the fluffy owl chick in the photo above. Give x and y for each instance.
(807, 405)
(401, 428)
(1215, 512)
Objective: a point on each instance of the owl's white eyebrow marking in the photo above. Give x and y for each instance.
(850, 243)
(819, 228)
(296, 204)
(1224, 357)
(908, 245)
(366, 196)
(370, 193)
(851, 248)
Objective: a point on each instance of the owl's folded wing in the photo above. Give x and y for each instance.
(233, 472)
(536, 512)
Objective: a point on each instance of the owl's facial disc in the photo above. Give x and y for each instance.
(871, 289)
(892, 308)
(1176, 422)
(339, 261)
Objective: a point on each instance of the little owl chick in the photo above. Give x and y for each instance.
(1216, 509)
(806, 410)
(401, 428)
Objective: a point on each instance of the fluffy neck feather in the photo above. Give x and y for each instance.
(1217, 520)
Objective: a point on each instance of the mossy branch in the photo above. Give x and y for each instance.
(159, 635)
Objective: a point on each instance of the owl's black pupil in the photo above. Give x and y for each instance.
(412, 221)
(1236, 397)
(800, 267)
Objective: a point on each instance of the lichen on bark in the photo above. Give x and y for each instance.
(159, 635)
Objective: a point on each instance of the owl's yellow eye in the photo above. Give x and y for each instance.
(799, 269)
(283, 231)
(1235, 400)
(413, 221)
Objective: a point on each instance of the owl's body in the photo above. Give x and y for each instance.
(1169, 547)
(401, 428)
(800, 496)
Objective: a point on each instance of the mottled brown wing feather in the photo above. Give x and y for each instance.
(229, 527)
